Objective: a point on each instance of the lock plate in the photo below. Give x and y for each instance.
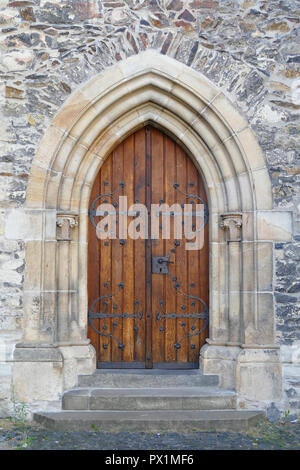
(160, 264)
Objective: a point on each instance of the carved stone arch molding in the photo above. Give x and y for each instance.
(150, 88)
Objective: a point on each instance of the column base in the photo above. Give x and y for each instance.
(259, 375)
(37, 374)
(255, 373)
(41, 374)
(220, 360)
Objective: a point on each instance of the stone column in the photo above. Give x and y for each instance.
(54, 350)
(65, 227)
(220, 356)
(78, 354)
(232, 224)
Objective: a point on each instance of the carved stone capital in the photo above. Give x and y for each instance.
(65, 224)
(232, 223)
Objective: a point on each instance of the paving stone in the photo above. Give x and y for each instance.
(265, 436)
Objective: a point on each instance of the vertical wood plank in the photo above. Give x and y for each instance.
(157, 170)
(117, 261)
(93, 269)
(105, 342)
(170, 293)
(194, 279)
(148, 248)
(181, 263)
(128, 254)
(140, 247)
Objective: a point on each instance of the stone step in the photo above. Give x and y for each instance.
(179, 398)
(150, 421)
(152, 378)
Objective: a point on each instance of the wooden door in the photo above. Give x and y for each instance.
(140, 317)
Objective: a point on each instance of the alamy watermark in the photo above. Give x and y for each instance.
(117, 220)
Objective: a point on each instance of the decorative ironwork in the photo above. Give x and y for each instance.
(203, 314)
(180, 315)
(160, 264)
(103, 314)
(93, 211)
(196, 197)
(188, 332)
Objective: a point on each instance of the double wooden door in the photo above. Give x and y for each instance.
(148, 298)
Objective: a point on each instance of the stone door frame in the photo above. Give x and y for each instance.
(152, 88)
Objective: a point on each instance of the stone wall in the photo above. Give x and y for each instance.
(249, 49)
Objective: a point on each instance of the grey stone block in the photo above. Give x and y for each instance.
(150, 421)
(153, 378)
(182, 398)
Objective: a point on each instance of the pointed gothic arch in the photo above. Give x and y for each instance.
(151, 88)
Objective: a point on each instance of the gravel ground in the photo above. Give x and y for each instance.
(266, 436)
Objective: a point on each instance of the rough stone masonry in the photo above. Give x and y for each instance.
(248, 49)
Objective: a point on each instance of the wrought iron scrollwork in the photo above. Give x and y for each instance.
(190, 318)
(108, 195)
(103, 314)
(202, 314)
(161, 316)
(196, 197)
(187, 332)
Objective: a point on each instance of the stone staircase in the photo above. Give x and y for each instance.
(148, 400)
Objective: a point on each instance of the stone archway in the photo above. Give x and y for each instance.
(151, 88)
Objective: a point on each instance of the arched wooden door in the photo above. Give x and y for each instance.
(148, 298)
